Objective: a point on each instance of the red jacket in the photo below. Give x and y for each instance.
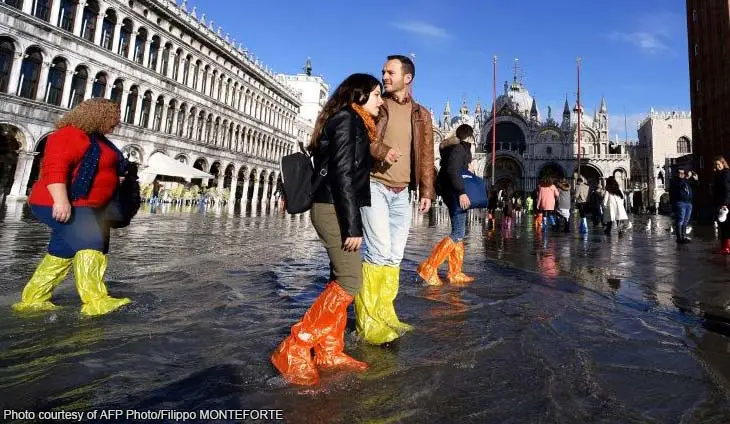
(64, 151)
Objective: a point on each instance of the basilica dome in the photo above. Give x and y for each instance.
(517, 97)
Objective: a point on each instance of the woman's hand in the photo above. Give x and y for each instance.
(62, 211)
(352, 244)
(464, 201)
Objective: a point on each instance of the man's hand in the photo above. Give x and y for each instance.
(392, 156)
(425, 205)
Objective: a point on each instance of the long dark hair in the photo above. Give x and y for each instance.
(613, 187)
(354, 89)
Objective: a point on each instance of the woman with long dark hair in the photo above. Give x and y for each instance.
(340, 146)
(721, 194)
(79, 174)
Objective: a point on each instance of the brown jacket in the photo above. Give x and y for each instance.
(422, 171)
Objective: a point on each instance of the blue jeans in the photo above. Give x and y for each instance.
(684, 212)
(85, 230)
(458, 225)
(385, 225)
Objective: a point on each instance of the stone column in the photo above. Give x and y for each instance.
(67, 89)
(221, 180)
(55, 11)
(147, 50)
(163, 119)
(244, 197)
(132, 43)
(14, 83)
(89, 88)
(123, 104)
(138, 110)
(79, 17)
(28, 7)
(99, 27)
(234, 190)
(116, 37)
(256, 186)
(43, 82)
(160, 53)
(22, 174)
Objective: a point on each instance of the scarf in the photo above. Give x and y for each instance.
(368, 119)
(81, 185)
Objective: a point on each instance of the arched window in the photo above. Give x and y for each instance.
(78, 86)
(42, 9)
(56, 80)
(99, 87)
(146, 107)
(204, 86)
(208, 128)
(176, 64)
(186, 69)
(196, 73)
(216, 130)
(88, 20)
(131, 106)
(125, 38)
(159, 108)
(169, 118)
(213, 81)
(154, 52)
(180, 120)
(191, 124)
(165, 58)
(7, 55)
(228, 91)
(139, 45)
(66, 14)
(18, 4)
(201, 126)
(683, 145)
(220, 88)
(107, 29)
(117, 92)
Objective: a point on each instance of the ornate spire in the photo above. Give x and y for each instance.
(447, 109)
(464, 108)
(308, 67)
(603, 108)
(533, 109)
(566, 108)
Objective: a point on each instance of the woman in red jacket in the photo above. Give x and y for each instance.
(79, 173)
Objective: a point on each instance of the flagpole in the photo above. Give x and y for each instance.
(494, 118)
(579, 60)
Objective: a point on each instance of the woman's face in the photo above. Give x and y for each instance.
(372, 106)
(718, 165)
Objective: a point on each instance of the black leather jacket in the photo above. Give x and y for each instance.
(344, 151)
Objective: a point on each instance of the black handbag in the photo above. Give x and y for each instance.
(299, 180)
(126, 200)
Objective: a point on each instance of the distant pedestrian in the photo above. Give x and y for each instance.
(721, 194)
(564, 202)
(613, 207)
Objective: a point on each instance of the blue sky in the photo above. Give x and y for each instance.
(634, 52)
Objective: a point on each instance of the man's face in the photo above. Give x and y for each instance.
(681, 174)
(393, 78)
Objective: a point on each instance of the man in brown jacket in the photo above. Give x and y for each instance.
(403, 157)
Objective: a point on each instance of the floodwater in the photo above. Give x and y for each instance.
(558, 328)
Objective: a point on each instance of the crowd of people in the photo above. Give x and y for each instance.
(372, 144)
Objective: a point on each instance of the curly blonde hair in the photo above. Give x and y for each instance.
(92, 115)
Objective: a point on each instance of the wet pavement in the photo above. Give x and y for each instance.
(558, 328)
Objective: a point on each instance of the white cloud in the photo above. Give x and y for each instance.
(653, 33)
(648, 42)
(421, 28)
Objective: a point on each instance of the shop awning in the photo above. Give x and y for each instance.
(161, 164)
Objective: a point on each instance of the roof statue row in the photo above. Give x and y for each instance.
(207, 27)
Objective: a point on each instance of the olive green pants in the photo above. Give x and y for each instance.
(345, 267)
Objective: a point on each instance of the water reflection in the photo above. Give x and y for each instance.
(215, 289)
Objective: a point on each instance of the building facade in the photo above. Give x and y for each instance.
(663, 137)
(185, 89)
(530, 147)
(314, 92)
(708, 30)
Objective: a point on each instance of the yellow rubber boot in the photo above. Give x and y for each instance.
(428, 270)
(370, 322)
(388, 293)
(37, 293)
(89, 267)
